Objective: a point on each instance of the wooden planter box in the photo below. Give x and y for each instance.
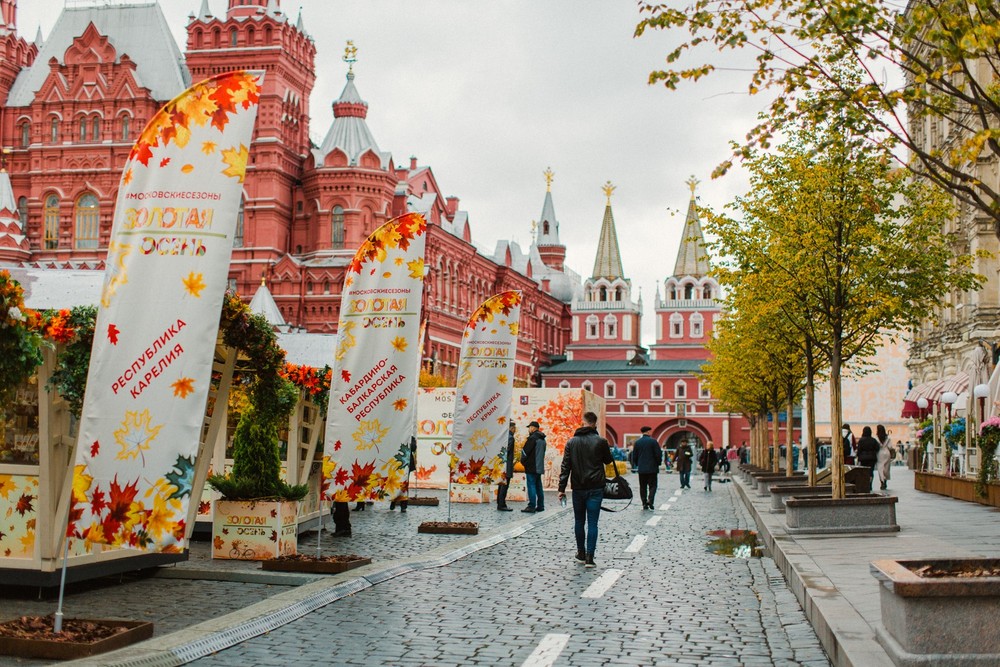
(425, 501)
(960, 488)
(444, 528)
(861, 513)
(313, 566)
(55, 650)
(254, 530)
(945, 620)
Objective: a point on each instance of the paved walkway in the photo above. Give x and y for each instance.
(830, 573)
(514, 595)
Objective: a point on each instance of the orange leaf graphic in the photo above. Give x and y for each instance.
(194, 284)
(183, 387)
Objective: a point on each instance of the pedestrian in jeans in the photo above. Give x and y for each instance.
(683, 460)
(533, 458)
(583, 463)
(508, 471)
(646, 458)
(708, 459)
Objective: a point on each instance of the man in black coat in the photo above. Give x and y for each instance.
(583, 463)
(646, 459)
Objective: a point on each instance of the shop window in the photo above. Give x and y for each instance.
(87, 216)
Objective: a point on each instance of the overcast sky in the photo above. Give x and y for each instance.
(489, 94)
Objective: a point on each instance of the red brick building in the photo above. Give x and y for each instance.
(76, 101)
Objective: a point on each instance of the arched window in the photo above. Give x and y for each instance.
(673, 293)
(680, 389)
(88, 219)
(326, 287)
(238, 234)
(706, 292)
(564, 384)
(25, 134)
(51, 232)
(250, 35)
(337, 231)
(545, 228)
(22, 214)
(54, 130)
(603, 294)
(126, 127)
(95, 129)
(233, 35)
(697, 325)
(592, 325)
(610, 326)
(83, 129)
(676, 325)
(689, 291)
(657, 389)
(587, 386)
(609, 389)
(633, 389)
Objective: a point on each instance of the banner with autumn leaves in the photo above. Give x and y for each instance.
(151, 363)
(371, 414)
(485, 387)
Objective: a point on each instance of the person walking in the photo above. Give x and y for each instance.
(847, 441)
(646, 458)
(583, 463)
(683, 460)
(508, 472)
(708, 460)
(341, 513)
(868, 451)
(533, 458)
(886, 453)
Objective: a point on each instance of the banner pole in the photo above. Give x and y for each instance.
(62, 587)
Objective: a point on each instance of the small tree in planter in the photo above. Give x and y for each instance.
(989, 438)
(256, 518)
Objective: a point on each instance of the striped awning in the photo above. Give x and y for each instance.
(957, 383)
(931, 390)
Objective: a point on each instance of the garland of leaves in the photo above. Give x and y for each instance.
(989, 438)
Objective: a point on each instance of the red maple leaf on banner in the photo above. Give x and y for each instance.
(274, 536)
(97, 502)
(274, 514)
(465, 399)
(95, 448)
(337, 445)
(113, 332)
(346, 375)
(340, 477)
(164, 162)
(24, 504)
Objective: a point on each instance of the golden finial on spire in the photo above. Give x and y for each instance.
(609, 190)
(263, 280)
(692, 183)
(350, 55)
(549, 175)
(534, 229)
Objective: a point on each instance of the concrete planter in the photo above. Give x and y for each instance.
(941, 620)
(782, 492)
(764, 482)
(862, 513)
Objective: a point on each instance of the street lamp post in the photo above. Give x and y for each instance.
(948, 398)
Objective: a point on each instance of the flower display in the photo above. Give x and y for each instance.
(989, 438)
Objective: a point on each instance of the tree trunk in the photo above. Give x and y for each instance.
(789, 440)
(776, 458)
(809, 432)
(836, 417)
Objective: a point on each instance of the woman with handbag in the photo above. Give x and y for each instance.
(708, 460)
(886, 453)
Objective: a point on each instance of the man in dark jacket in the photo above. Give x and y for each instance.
(583, 464)
(683, 460)
(646, 459)
(508, 471)
(533, 458)
(708, 460)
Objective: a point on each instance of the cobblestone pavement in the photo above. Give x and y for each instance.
(520, 601)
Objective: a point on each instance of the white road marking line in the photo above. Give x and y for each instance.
(547, 651)
(664, 507)
(637, 543)
(678, 492)
(672, 500)
(602, 584)
(654, 520)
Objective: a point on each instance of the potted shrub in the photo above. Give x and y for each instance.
(256, 517)
(989, 438)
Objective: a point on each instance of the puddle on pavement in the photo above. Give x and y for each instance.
(735, 543)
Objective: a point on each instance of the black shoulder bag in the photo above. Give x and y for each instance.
(617, 488)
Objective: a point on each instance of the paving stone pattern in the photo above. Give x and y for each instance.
(675, 604)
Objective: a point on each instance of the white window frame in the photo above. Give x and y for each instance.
(657, 389)
(609, 389)
(680, 389)
(593, 326)
(632, 389)
(676, 325)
